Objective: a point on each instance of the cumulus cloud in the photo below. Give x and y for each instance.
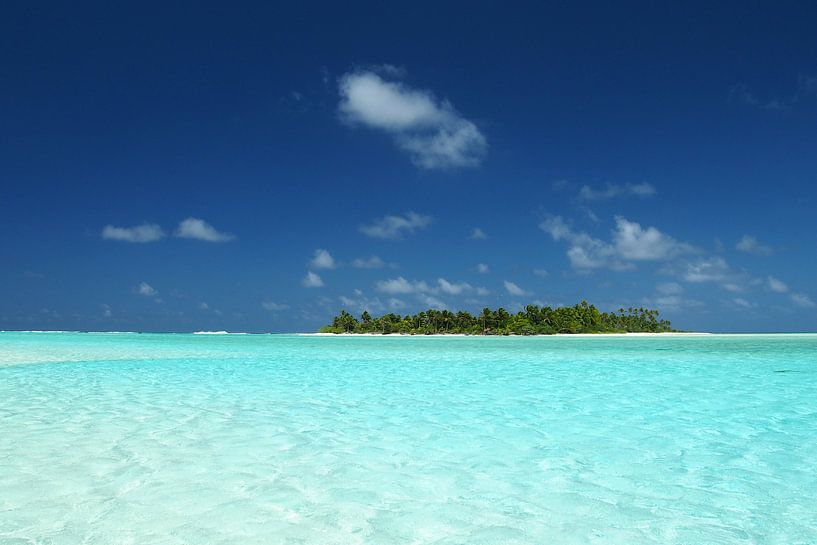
(147, 232)
(630, 242)
(513, 289)
(273, 306)
(453, 288)
(201, 230)
(482, 268)
(635, 243)
(323, 260)
(312, 280)
(430, 130)
(359, 302)
(714, 270)
(478, 234)
(585, 252)
(776, 285)
(371, 262)
(751, 245)
(143, 288)
(401, 286)
(432, 302)
(587, 193)
(710, 269)
(394, 227)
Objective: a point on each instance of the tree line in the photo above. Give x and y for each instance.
(533, 320)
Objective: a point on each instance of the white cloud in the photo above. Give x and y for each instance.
(201, 230)
(630, 242)
(147, 232)
(741, 302)
(711, 269)
(396, 304)
(143, 288)
(106, 310)
(587, 193)
(203, 306)
(400, 285)
(360, 302)
(585, 252)
(432, 302)
(482, 291)
(802, 300)
(273, 306)
(482, 268)
(430, 130)
(312, 280)
(478, 234)
(776, 285)
(669, 288)
(453, 288)
(638, 244)
(393, 227)
(751, 245)
(513, 289)
(323, 260)
(541, 273)
(371, 262)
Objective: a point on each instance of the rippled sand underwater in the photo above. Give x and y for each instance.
(272, 439)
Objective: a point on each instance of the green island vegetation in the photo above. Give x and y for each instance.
(533, 320)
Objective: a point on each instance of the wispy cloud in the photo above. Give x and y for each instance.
(430, 130)
(776, 285)
(806, 87)
(199, 229)
(587, 193)
(453, 288)
(743, 303)
(514, 289)
(482, 268)
(147, 232)
(145, 289)
(478, 234)
(394, 227)
(401, 286)
(323, 260)
(273, 306)
(360, 302)
(802, 300)
(751, 245)
(371, 262)
(312, 280)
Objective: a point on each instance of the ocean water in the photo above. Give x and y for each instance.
(274, 439)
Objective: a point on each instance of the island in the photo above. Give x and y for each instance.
(533, 320)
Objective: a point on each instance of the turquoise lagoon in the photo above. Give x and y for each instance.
(268, 439)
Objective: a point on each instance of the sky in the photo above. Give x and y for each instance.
(260, 166)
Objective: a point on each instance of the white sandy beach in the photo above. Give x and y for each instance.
(605, 335)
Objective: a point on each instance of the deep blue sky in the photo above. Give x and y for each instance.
(636, 154)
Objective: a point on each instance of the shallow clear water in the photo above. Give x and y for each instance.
(166, 439)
